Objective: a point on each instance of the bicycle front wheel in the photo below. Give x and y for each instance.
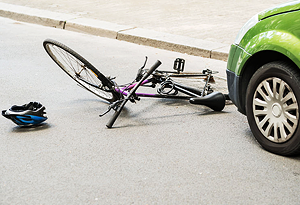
(82, 71)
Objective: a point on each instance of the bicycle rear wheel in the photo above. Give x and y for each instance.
(80, 70)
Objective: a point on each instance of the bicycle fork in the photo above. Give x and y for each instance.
(131, 94)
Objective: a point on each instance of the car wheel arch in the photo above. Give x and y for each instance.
(252, 65)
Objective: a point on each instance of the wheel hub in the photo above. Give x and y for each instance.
(276, 110)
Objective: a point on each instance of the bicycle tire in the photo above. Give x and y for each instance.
(80, 70)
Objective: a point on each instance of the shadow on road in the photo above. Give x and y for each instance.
(40, 127)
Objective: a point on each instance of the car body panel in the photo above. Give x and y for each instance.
(276, 30)
(283, 8)
(278, 34)
(237, 59)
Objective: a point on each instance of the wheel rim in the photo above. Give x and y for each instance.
(275, 110)
(79, 71)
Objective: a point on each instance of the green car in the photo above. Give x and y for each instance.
(263, 77)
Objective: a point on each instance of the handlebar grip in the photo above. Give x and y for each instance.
(115, 116)
(152, 69)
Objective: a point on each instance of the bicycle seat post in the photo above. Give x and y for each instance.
(206, 84)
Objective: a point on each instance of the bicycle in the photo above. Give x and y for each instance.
(90, 78)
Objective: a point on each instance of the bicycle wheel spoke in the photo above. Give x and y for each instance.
(80, 70)
(62, 57)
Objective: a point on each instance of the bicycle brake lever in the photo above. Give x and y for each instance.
(112, 106)
(101, 115)
(144, 63)
(140, 71)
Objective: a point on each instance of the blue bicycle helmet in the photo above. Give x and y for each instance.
(29, 114)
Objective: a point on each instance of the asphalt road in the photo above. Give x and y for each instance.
(160, 152)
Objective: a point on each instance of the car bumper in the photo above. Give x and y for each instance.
(236, 60)
(234, 85)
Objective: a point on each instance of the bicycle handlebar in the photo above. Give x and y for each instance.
(118, 111)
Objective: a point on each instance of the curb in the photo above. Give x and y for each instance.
(191, 46)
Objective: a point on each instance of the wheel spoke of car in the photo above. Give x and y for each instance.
(275, 109)
(287, 97)
(270, 93)
(263, 122)
(281, 89)
(279, 94)
(281, 130)
(259, 102)
(263, 94)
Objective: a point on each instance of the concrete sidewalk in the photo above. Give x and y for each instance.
(203, 28)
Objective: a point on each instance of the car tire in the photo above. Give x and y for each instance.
(272, 107)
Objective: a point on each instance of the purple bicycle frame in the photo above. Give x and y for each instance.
(125, 90)
(187, 90)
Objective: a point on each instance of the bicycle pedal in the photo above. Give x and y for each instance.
(179, 65)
